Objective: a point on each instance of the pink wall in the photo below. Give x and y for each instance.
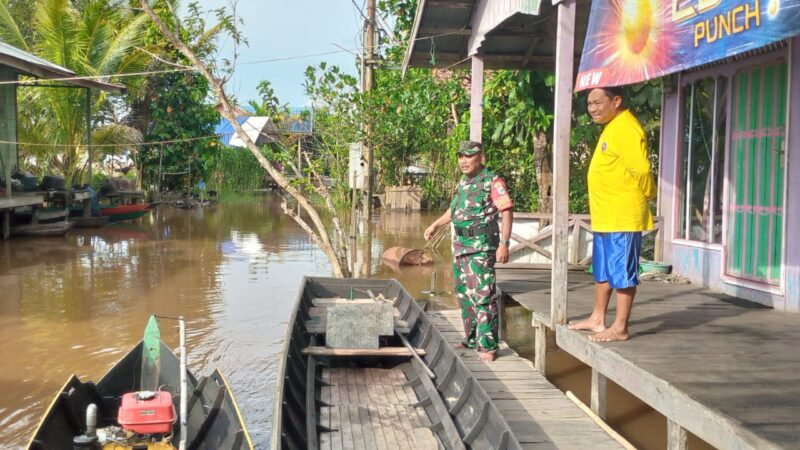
(793, 181)
(703, 265)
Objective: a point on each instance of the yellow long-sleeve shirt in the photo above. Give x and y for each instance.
(620, 180)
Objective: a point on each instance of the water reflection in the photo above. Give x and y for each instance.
(78, 303)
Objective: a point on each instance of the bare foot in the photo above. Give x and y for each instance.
(487, 357)
(588, 325)
(609, 335)
(460, 345)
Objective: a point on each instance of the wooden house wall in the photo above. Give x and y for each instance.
(8, 121)
(703, 262)
(793, 183)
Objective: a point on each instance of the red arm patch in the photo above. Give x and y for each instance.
(500, 198)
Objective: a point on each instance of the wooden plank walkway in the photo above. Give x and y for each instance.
(540, 415)
(21, 199)
(726, 369)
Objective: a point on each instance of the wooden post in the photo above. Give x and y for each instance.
(89, 133)
(540, 350)
(565, 43)
(677, 438)
(366, 268)
(476, 100)
(597, 395)
(299, 157)
(368, 61)
(6, 224)
(160, 171)
(501, 315)
(658, 250)
(575, 252)
(87, 207)
(353, 225)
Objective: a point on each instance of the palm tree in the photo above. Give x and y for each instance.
(89, 37)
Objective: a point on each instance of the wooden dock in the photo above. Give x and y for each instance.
(540, 415)
(8, 203)
(726, 369)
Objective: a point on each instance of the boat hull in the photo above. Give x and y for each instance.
(458, 413)
(42, 229)
(214, 421)
(124, 212)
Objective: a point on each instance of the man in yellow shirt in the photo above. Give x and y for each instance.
(620, 185)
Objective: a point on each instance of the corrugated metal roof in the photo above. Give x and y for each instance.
(488, 15)
(512, 34)
(16, 53)
(32, 65)
(748, 54)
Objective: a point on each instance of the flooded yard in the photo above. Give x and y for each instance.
(77, 304)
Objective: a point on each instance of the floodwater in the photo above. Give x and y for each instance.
(76, 304)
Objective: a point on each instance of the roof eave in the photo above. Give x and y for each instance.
(47, 73)
(99, 85)
(412, 40)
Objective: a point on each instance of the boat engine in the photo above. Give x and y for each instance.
(89, 439)
(147, 412)
(145, 422)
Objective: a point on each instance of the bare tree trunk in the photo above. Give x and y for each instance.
(544, 172)
(319, 232)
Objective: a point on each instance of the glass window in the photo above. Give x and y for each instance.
(702, 160)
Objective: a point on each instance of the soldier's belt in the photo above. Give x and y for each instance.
(481, 230)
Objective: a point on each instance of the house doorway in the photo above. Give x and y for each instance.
(757, 165)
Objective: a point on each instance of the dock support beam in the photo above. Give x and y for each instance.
(677, 438)
(502, 318)
(597, 395)
(544, 340)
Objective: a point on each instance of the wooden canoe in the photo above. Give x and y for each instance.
(213, 418)
(124, 212)
(379, 398)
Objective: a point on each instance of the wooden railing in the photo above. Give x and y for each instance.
(532, 240)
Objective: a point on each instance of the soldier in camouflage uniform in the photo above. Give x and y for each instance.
(478, 243)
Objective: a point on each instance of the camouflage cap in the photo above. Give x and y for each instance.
(469, 148)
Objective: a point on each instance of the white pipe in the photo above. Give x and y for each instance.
(184, 381)
(91, 420)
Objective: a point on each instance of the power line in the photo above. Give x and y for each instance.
(98, 77)
(358, 8)
(192, 69)
(288, 58)
(168, 141)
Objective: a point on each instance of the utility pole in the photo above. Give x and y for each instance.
(368, 61)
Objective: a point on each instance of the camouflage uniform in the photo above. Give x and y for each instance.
(477, 203)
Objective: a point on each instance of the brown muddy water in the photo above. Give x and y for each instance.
(78, 303)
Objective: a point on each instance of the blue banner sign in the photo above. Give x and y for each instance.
(629, 41)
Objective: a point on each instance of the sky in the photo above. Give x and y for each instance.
(289, 28)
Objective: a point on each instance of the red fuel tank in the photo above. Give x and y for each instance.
(147, 412)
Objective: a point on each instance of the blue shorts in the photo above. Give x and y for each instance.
(615, 258)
